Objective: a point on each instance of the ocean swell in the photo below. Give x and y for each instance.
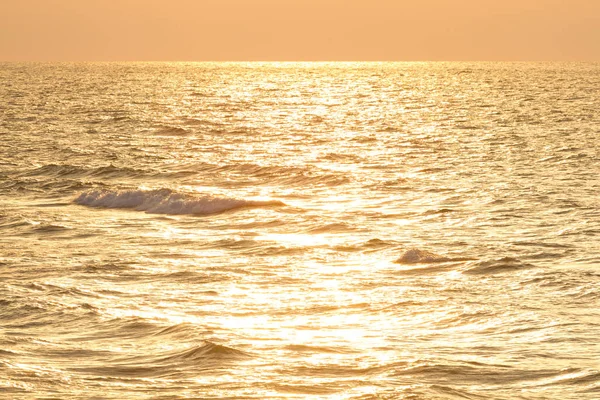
(418, 256)
(166, 201)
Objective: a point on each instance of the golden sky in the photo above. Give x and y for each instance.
(299, 30)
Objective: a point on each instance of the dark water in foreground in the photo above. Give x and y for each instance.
(409, 231)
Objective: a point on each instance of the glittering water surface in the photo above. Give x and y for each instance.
(416, 231)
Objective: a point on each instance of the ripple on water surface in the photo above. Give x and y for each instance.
(256, 230)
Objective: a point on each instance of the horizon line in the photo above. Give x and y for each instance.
(301, 61)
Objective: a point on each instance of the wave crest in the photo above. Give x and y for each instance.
(505, 264)
(418, 256)
(166, 201)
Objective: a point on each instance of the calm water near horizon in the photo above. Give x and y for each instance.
(300, 230)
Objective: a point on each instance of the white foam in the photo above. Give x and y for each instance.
(415, 256)
(166, 201)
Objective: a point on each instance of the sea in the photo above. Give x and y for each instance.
(416, 231)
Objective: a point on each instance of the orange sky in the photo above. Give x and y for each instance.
(190, 30)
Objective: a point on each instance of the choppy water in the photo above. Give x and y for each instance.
(410, 231)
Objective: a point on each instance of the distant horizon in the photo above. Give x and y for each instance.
(300, 61)
(300, 30)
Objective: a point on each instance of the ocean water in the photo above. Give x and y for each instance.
(280, 230)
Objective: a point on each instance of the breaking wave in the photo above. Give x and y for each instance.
(166, 201)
